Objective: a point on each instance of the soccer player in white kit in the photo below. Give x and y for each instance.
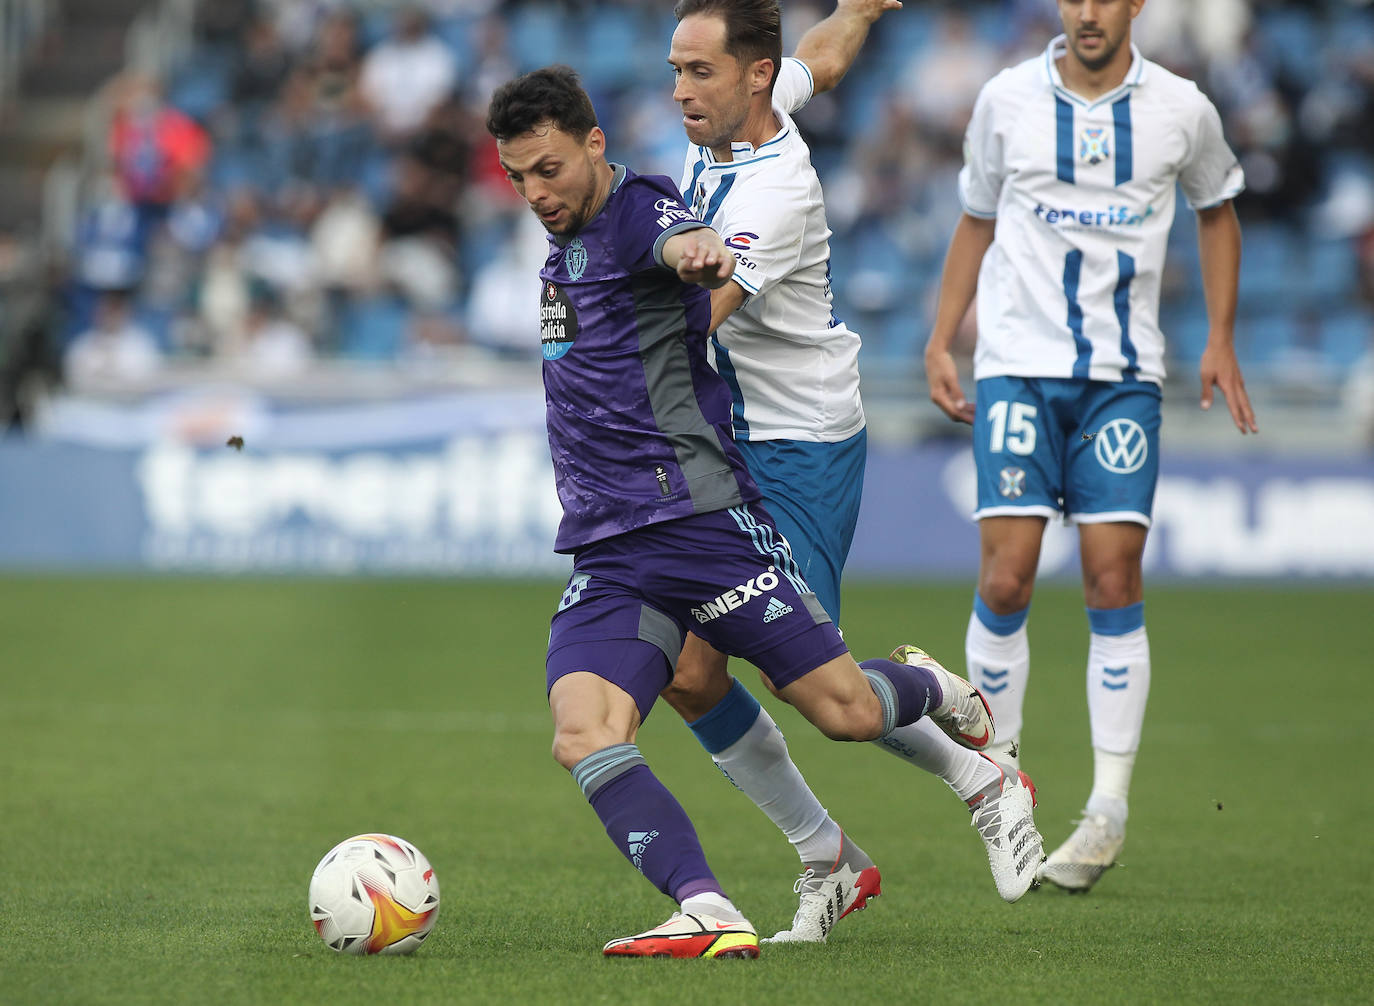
(1068, 189)
(792, 367)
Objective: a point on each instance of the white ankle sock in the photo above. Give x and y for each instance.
(1111, 784)
(926, 746)
(715, 905)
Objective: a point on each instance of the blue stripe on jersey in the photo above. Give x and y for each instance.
(777, 139)
(1073, 265)
(745, 282)
(1125, 268)
(1063, 115)
(1121, 116)
(726, 369)
(718, 197)
(696, 173)
(769, 543)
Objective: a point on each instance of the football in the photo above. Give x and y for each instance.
(374, 894)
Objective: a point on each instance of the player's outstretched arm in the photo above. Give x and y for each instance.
(830, 47)
(1218, 233)
(958, 283)
(700, 257)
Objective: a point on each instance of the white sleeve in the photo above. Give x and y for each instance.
(1212, 174)
(765, 235)
(795, 85)
(980, 179)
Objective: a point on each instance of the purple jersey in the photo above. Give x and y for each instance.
(639, 422)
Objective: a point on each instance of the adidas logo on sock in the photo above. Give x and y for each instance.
(776, 609)
(639, 842)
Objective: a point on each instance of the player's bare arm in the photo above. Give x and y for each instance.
(725, 301)
(1219, 252)
(700, 257)
(958, 283)
(830, 47)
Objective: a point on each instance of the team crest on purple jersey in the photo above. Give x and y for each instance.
(576, 259)
(557, 322)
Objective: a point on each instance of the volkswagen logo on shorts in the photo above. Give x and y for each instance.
(1121, 446)
(1011, 482)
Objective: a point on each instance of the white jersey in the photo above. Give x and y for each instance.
(1084, 195)
(792, 366)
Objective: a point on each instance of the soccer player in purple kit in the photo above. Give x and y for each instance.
(659, 510)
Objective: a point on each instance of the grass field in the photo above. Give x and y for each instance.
(176, 755)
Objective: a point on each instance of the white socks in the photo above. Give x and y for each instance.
(926, 746)
(758, 763)
(1118, 686)
(717, 906)
(1118, 683)
(999, 666)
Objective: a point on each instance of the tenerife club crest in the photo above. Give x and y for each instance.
(1011, 482)
(1092, 146)
(576, 259)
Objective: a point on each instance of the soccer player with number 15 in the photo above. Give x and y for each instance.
(1070, 165)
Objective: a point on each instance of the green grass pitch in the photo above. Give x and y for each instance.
(176, 755)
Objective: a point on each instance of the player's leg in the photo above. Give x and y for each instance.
(996, 645)
(1110, 495)
(1020, 432)
(1118, 658)
(600, 689)
(837, 876)
(746, 744)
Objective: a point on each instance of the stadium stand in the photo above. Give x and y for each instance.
(377, 241)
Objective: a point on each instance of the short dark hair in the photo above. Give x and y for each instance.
(551, 94)
(753, 28)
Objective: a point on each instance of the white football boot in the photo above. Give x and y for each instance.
(1003, 815)
(829, 892)
(1087, 854)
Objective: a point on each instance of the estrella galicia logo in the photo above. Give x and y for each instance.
(1011, 482)
(1093, 145)
(557, 322)
(575, 258)
(1121, 446)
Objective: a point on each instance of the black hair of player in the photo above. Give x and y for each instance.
(551, 94)
(753, 28)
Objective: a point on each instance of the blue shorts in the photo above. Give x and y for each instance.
(726, 576)
(813, 491)
(1086, 449)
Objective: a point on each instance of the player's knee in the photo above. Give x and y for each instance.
(1005, 590)
(696, 694)
(571, 745)
(1111, 587)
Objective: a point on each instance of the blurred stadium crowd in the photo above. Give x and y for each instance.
(311, 179)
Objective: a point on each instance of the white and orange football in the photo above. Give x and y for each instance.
(374, 894)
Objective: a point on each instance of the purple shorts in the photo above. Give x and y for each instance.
(727, 576)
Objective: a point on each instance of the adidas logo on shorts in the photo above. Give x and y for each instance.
(776, 609)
